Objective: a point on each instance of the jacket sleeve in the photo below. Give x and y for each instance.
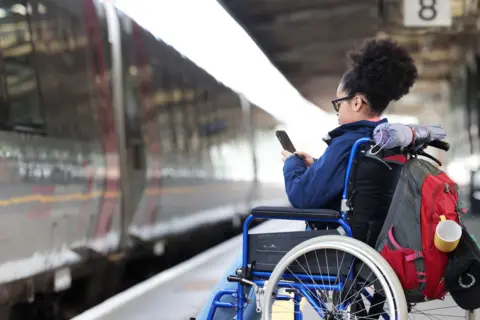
(322, 182)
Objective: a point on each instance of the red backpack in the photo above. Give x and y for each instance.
(423, 194)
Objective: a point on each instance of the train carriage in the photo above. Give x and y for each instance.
(113, 146)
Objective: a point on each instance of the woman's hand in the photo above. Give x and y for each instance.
(308, 159)
(285, 155)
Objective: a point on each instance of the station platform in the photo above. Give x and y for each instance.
(179, 293)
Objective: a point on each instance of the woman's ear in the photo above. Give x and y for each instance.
(357, 103)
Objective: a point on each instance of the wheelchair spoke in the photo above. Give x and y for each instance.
(341, 264)
(311, 276)
(365, 309)
(438, 313)
(318, 264)
(426, 315)
(307, 287)
(310, 272)
(359, 294)
(431, 315)
(354, 280)
(437, 309)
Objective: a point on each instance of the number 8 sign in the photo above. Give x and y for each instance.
(427, 13)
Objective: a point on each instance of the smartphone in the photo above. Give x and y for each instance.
(285, 141)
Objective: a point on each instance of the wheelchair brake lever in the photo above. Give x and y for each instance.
(423, 153)
(375, 157)
(258, 291)
(239, 279)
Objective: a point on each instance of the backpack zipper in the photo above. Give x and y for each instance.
(446, 188)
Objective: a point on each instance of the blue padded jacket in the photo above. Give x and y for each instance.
(321, 185)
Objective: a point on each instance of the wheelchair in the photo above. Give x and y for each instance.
(271, 262)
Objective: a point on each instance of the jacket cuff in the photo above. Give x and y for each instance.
(293, 162)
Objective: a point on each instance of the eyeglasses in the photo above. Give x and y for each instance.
(336, 102)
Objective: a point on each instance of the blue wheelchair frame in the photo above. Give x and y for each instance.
(261, 277)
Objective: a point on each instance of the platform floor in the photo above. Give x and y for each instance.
(180, 292)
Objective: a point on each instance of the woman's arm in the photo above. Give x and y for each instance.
(322, 182)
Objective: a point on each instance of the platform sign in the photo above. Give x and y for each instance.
(427, 13)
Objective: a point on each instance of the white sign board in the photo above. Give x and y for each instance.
(427, 13)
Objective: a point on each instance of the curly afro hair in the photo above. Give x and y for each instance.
(380, 69)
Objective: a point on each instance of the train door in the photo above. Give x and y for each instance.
(146, 143)
(135, 88)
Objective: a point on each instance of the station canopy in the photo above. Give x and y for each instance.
(307, 40)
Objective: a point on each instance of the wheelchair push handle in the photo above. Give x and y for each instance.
(426, 142)
(442, 145)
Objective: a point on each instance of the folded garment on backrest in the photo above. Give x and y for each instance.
(391, 135)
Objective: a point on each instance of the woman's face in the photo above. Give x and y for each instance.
(347, 107)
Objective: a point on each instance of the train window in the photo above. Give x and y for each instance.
(179, 115)
(132, 119)
(4, 106)
(185, 109)
(137, 156)
(20, 95)
(170, 133)
(195, 105)
(62, 62)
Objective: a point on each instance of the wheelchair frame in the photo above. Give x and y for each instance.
(261, 277)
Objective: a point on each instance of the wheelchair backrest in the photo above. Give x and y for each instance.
(371, 186)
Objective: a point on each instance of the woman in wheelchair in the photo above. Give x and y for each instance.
(379, 72)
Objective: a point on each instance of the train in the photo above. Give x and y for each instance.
(115, 149)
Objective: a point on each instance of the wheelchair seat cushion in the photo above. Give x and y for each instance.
(289, 212)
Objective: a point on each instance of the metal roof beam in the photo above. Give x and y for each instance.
(314, 49)
(335, 15)
(269, 9)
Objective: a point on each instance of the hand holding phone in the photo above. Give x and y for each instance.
(287, 145)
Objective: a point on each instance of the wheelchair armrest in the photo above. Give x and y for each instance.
(296, 214)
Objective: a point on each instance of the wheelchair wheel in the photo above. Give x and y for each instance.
(311, 271)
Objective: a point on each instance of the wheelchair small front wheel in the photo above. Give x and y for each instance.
(362, 286)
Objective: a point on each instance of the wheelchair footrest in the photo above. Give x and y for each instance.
(265, 250)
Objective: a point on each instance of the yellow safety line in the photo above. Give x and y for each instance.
(97, 194)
